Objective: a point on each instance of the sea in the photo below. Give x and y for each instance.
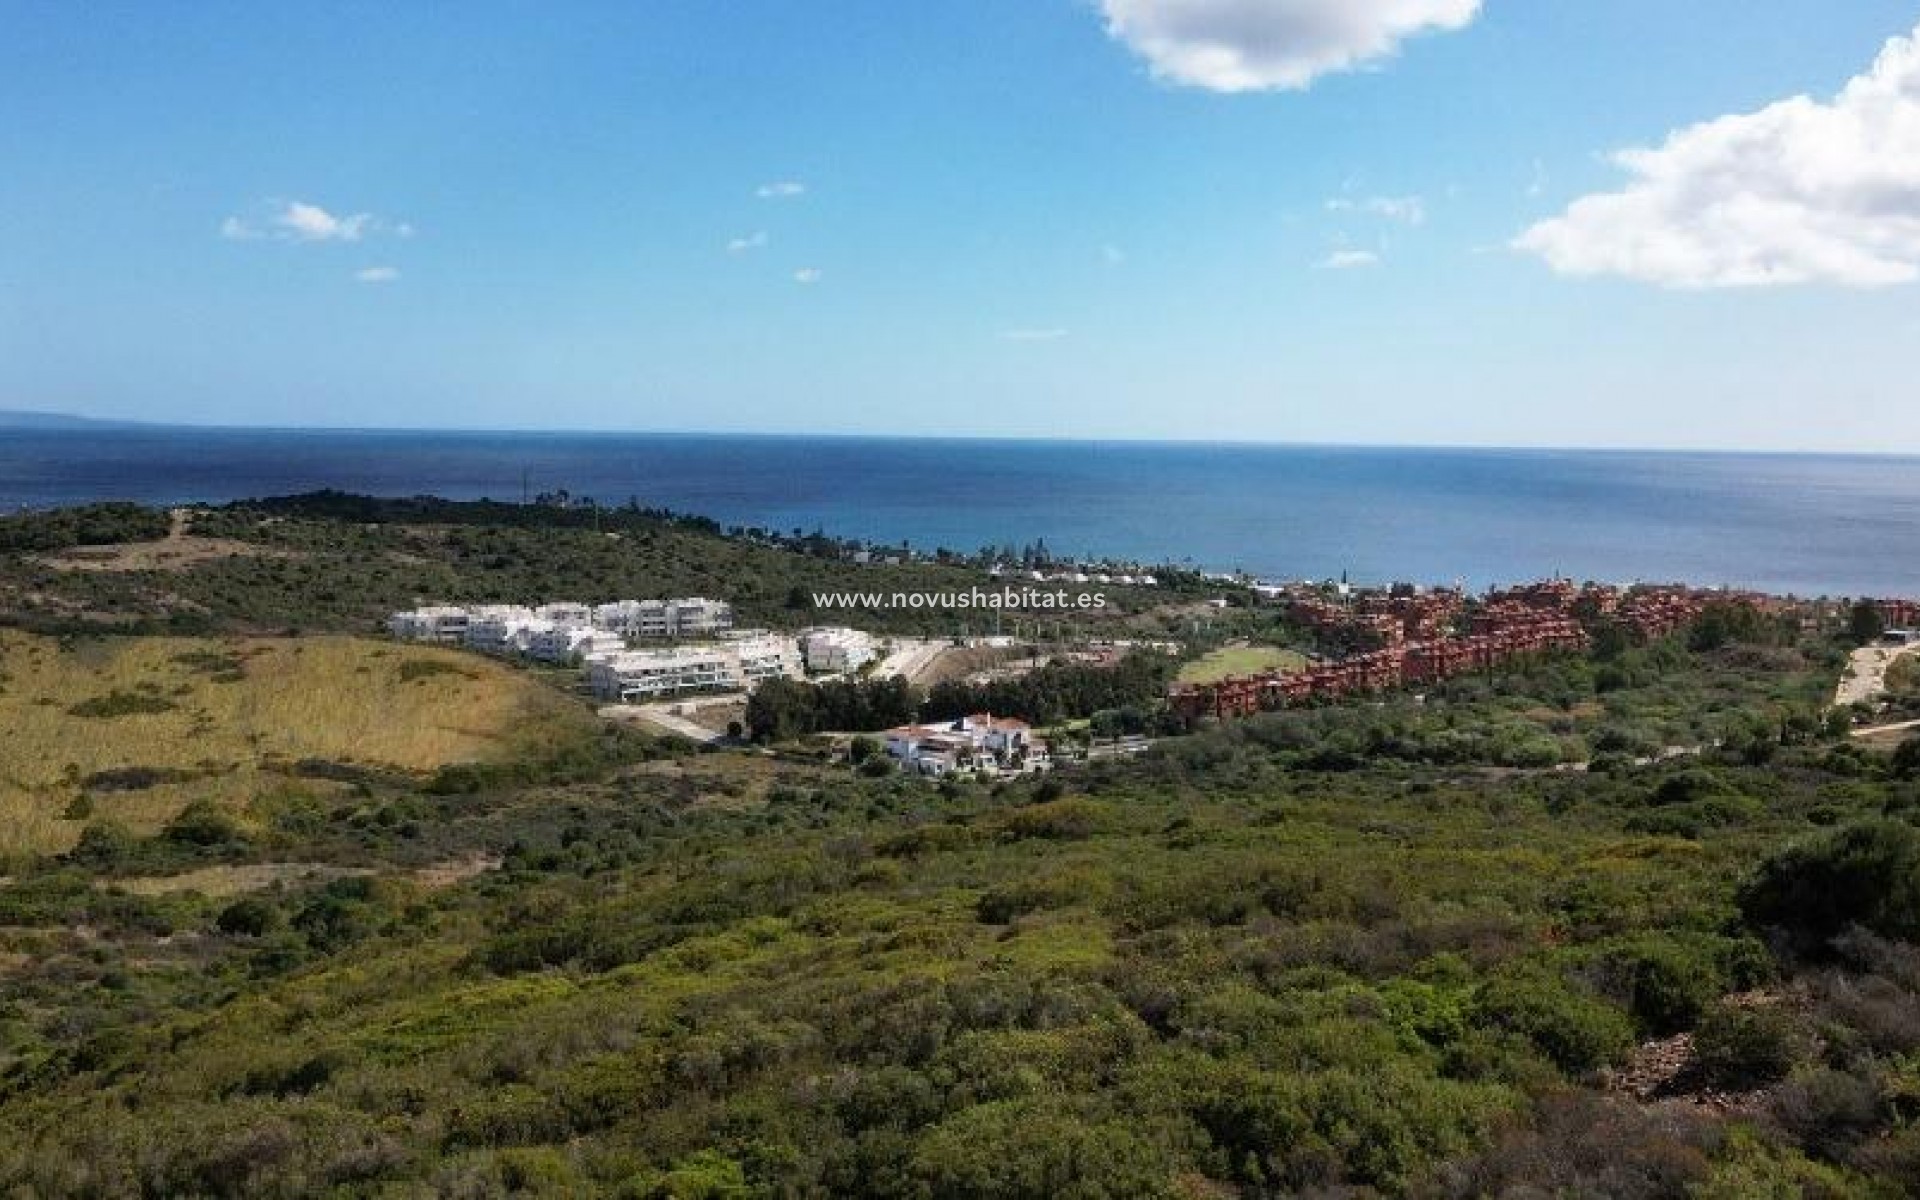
(1808, 525)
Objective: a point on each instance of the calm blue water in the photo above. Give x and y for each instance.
(1804, 524)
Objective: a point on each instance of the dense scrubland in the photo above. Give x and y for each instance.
(1635, 924)
(341, 563)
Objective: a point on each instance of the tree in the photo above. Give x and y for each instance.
(1865, 623)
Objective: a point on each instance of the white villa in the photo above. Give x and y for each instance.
(836, 649)
(977, 742)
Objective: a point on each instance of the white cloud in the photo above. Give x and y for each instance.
(1408, 210)
(1265, 45)
(310, 223)
(377, 274)
(1033, 335)
(785, 189)
(1799, 192)
(299, 221)
(1348, 260)
(807, 275)
(1113, 256)
(753, 241)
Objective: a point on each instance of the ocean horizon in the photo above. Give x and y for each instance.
(1808, 524)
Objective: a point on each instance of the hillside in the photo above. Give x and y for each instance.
(132, 730)
(341, 563)
(1353, 951)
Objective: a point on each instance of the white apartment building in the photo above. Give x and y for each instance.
(434, 624)
(763, 655)
(499, 628)
(836, 649)
(691, 616)
(565, 612)
(556, 643)
(637, 676)
(634, 618)
(695, 616)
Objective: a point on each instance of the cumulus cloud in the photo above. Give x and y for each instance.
(1348, 260)
(377, 274)
(1267, 45)
(807, 275)
(1801, 191)
(299, 221)
(753, 241)
(1032, 335)
(784, 189)
(1408, 210)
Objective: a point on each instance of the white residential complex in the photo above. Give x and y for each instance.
(599, 637)
(836, 649)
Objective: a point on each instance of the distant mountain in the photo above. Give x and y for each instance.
(10, 419)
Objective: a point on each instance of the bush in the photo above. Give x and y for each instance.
(1744, 1047)
(203, 823)
(122, 704)
(249, 917)
(1906, 760)
(1665, 983)
(1866, 874)
(1057, 820)
(1828, 1111)
(1578, 1031)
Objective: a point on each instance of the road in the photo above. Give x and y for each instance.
(910, 657)
(1878, 730)
(661, 716)
(1866, 677)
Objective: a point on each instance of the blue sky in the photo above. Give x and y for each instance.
(1366, 221)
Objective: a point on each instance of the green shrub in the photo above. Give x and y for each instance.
(1056, 820)
(1665, 983)
(248, 917)
(1577, 1030)
(1866, 874)
(1744, 1047)
(203, 823)
(1906, 759)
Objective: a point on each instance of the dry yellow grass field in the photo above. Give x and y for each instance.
(213, 713)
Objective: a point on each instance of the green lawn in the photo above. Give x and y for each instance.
(1241, 660)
